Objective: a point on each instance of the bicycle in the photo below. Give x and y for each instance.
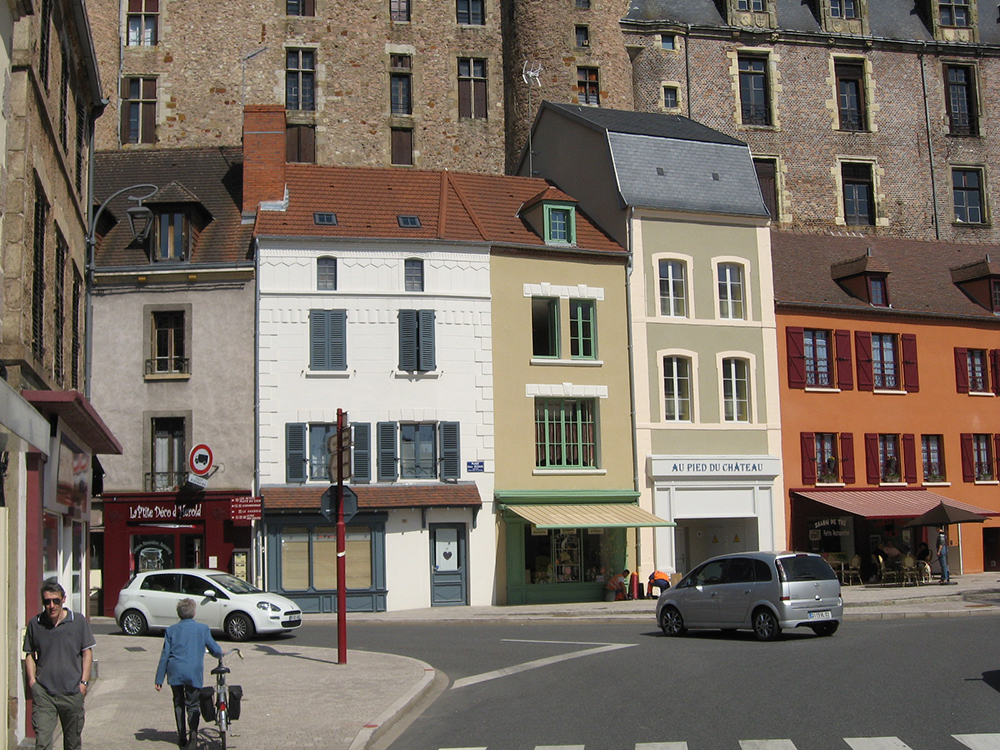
(222, 702)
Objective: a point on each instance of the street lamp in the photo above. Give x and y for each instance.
(140, 222)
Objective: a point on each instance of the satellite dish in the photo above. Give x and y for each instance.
(532, 74)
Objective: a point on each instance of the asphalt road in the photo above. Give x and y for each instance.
(921, 681)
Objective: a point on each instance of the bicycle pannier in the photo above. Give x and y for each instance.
(207, 700)
(235, 699)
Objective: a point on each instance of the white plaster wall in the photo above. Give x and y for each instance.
(370, 286)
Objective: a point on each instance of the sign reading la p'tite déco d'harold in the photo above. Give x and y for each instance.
(157, 512)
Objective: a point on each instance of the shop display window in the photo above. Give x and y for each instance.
(309, 558)
(571, 555)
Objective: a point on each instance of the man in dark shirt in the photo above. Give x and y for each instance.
(58, 654)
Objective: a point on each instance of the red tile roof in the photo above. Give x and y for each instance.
(376, 497)
(452, 206)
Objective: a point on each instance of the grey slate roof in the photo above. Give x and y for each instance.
(673, 163)
(888, 19)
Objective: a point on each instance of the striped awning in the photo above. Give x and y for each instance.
(589, 516)
(887, 503)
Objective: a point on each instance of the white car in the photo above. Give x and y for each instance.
(224, 602)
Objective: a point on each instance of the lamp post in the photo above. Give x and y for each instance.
(140, 222)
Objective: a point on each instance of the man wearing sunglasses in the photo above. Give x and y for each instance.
(58, 653)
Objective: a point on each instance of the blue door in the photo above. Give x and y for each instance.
(449, 570)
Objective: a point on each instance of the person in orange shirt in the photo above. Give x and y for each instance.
(660, 580)
(619, 585)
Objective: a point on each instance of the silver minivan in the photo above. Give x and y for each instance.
(760, 591)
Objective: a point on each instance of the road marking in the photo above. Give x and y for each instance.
(876, 743)
(979, 741)
(661, 746)
(559, 747)
(766, 745)
(547, 661)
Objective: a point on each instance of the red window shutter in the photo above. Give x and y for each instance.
(479, 95)
(995, 370)
(863, 348)
(845, 371)
(309, 8)
(796, 357)
(847, 457)
(962, 370)
(808, 440)
(465, 98)
(873, 469)
(995, 458)
(909, 459)
(968, 458)
(911, 374)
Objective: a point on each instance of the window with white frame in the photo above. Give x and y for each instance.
(888, 458)
(818, 358)
(673, 288)
(978, 371)
(676, 389)
(736, 389)
(932, 453)
(885, 364)
(731, 292)
(326, 274)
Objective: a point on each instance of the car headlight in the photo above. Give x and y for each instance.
(268, 606)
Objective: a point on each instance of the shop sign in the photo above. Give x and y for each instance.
(245, 508)
(163, 512)
(716, 466)
(831, 527)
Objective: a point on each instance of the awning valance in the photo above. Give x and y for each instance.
(589, 516)
(887, 503)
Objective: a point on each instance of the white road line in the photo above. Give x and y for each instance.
(979, 741)
(876, 743)
(462, 748)
(559, 747)
(766, 745)
(565, 643)
(547, 661)
(661, 746)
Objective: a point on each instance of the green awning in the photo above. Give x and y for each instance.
(589, 516)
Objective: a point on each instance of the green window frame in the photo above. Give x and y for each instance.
(560, 224)
(565, 433)
(544, 327)
(582, 329)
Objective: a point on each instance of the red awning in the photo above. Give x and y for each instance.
(79, 415)
(887, 503)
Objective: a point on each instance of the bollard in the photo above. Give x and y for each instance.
(633, 586)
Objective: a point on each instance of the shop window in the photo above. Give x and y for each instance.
(416, 341)
(328, 340)
(566, 556)
(565, 433)
(169, 355)
(309, 558)
(544, 327)
(932, 455)
(169, 458)
(582, 329)
(677, 389)
(736, 390)
(673, 288)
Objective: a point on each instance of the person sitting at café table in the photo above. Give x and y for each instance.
(924, 552)
(891, 551)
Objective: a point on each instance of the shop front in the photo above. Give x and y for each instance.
(564, 546)
(720, 504)
(840, 524)
(156, 531)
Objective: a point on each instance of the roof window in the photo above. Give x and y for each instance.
(409, 222)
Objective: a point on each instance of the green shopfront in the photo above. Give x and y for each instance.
(564, 546)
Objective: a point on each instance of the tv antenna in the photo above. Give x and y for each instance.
(531, 73)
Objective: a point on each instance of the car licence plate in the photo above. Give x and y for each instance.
(824, 615)
(297, 617)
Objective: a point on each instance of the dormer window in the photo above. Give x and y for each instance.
(955, 13)
(560, 224)
(980, 282)
(172, 237)
(878, 291)
(995, 294)
(843, 8)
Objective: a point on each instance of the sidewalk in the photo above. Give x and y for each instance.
(298, 696)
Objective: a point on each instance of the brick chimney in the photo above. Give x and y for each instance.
(263, 155)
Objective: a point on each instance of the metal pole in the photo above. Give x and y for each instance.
(341, 547)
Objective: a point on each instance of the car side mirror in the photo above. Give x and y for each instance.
(209, 594)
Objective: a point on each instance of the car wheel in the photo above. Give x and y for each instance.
(826, 628)
(765, 625)
(239, 627)
(672, 622)
(133, 622)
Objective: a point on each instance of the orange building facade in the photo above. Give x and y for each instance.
(889, 354)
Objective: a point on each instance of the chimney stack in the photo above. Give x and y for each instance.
(263, 155)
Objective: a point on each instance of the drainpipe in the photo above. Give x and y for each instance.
(629, 267)
(930, 145)
(687, 70)
(261, 575)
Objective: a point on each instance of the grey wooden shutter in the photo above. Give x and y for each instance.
(337, 320)
(386, 451)
(425, 323)
(327, 339)
(408, 340)
(295, 452)
(451, 464)
(362, 442)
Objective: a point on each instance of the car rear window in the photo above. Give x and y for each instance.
(806, 568)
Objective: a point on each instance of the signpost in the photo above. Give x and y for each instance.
(342, 456)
